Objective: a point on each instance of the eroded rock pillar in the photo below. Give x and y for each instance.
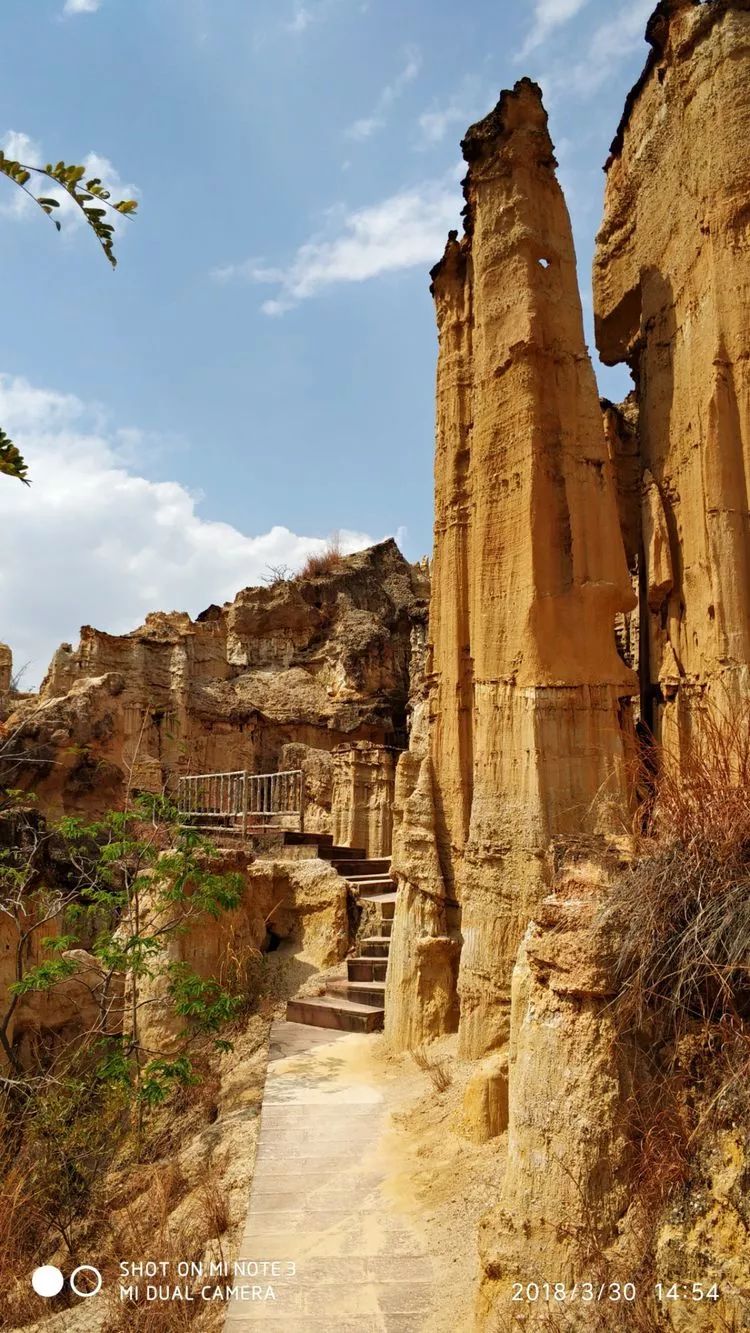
(672, 299)
(548, 572)
(567, 1182)
(527, 692)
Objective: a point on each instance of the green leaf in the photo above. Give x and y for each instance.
(11, 461)
(44, 977)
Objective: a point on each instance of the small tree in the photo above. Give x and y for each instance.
(127, 897)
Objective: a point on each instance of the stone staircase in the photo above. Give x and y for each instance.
(356, 1004)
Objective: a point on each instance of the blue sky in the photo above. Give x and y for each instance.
(259, 371)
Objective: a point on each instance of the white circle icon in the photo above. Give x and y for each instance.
(47, 1281)
(86, 1268)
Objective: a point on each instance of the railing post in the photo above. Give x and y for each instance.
(301, 802)
(244, 804)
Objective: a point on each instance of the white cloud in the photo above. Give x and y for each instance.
(622, 34)
(93, 541)
(22, 148)
(472, 99)
(406, 229)
(549, 15)
(365, 128)
(81, 6)
(435, 124)
(305, 15)
(301, 19)
(368, 125)
(612, 41)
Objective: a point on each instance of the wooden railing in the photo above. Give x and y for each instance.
(249, 801)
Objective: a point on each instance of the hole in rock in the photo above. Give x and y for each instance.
(272, 941)
(545, 263)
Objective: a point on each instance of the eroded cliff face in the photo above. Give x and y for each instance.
(526, 689)
(672, 288)
(567, 1185)
(6, 669)
(314, 662)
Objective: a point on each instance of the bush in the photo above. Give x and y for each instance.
(327, 562)
(683, 908)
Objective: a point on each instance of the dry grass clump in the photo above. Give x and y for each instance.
(683, 908)
(440, 1075)
(327, 562)
(173, 1245)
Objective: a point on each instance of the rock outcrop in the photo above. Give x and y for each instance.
(527, 693)
(314, 662)
(6, 669)
(567, 1185)
(671, 287)
(303, 903)
(362, 797)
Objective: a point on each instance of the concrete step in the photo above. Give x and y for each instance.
(385, 901)
(366, 968)
(376, 946)
(333, 852)
(378, 883)
(367, 992)
(354, 867)
(361, 992)
(334, 1011)
(295, 839)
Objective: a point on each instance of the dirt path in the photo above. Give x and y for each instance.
(318, 1199)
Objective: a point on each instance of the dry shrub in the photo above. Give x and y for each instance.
(662, 1129)
(683, 908)
(440, 1074)
(327, 562)
(18, 1243)
(242, 973)
(681, 918)
(214, 1207)
(55, 1149)
(157, 1236)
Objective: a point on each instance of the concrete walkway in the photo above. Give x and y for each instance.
(317, 1200)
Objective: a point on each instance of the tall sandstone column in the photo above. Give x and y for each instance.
(672, 298)
(525, 735)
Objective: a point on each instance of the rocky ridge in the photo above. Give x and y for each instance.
(314, 662)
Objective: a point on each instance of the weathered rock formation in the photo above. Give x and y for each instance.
(567, 1183)
(526, 688)
(672, 292)
(6, 668)
(314, 662)
(362, 797)
(301, 902)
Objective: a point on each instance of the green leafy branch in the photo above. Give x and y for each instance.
(11, 461)
(96, 204)
(88, 197)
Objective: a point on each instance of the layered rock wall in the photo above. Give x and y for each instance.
(567, 1185)
(6, 668)
(362, 797)
(526, 687)
(310, 662)
(672, 293)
